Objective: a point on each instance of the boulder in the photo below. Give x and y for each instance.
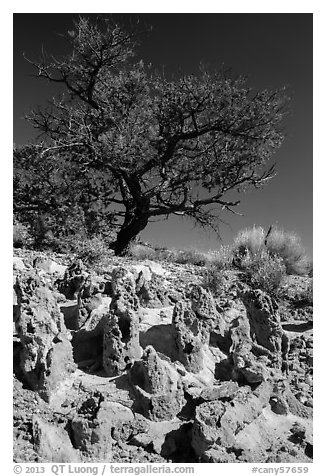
(75, 279)
(218, 422)
(162, 437)
(283, 401)
(49, 266)
(152, 293)
(158, 387)
(246, 364)
(265, 323)
(18, 264)
(121, 325)
(189, 336)
(226, 390)
(52, 443)
(156, 268)
(46, 357)
(88, 341)
(91, 429)
(203, 305)
(143, 270)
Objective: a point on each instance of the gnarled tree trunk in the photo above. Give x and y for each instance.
(135, 221)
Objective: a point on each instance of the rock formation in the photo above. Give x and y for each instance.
(157, 385)
(143, 364)
(121, 326)
(46, 357)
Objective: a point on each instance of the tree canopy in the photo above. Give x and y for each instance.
(128, 145)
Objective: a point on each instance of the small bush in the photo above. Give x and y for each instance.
(213, 280)
(223, 258)
(93, 251)
(21, 235)
(265, 272)
(250, 239)
(190, 257)
(288, 246)
(250, 244)
(141, 252)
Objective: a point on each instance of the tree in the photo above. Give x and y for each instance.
(158, 146)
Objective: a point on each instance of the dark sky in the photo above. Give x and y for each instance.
(273, 50)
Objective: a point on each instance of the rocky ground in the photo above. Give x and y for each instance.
(137, 362)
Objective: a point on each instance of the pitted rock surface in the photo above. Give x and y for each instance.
(265, 323)
(121, 325)
(46, 355)
(218, 422)
(158, 387)
(216, 379)
(190, 335)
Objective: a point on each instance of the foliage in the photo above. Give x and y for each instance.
(190, 257)
(54, 198)
(93, 251)
(134, 145)
(21, 235)
(252, 243)
(141, 252)
(264, 271)
(288, 246)
(214, 280)
(250, 240)
(222, 258)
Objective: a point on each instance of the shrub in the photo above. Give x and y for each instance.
(190, 257)
(213, 280)
(251, 244)
(141, 252)
(250, 239)
(288, 246)
(21, 235)
(222, 259)
(265, 271)
(93, 251)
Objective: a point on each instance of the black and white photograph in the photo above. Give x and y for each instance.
(162, 240)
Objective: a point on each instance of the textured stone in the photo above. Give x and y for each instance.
(265, 324)
(218, 422)
(217, 392)
(49, 266)
(190, 335)
(46, 357)
(70, 311)
(121, 325)
(52, 443)
(152, 293)
(75, 279)
(92, 429)
(202, 303)
(156, 268)
(283, 401)
(18, 263)
(158, 388)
